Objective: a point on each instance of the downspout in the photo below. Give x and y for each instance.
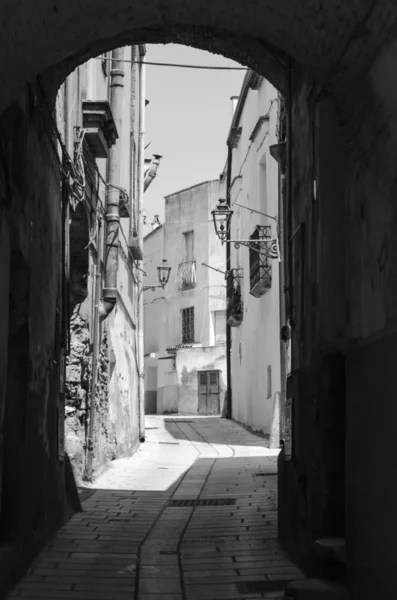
(283, 316)
(132, 228)
(112, 194)
(95, 353)
(228, 268)
(141, 179)
(288, 208)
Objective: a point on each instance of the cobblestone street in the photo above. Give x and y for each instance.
(191, 516)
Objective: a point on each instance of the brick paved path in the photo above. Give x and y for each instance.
(150, 529)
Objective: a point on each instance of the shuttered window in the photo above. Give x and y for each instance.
(189, 245)
(220, 326)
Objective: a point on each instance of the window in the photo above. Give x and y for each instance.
(213, 378)
(189, 246)
(104, 63)
(260, 264)
(188, 325)
(220, 326)
(269, 381)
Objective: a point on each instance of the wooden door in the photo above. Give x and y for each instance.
(208, 393)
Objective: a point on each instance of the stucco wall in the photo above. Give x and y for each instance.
(153, 307)
(187, 210)
(190, 210)
(255, 343)
(188, 362)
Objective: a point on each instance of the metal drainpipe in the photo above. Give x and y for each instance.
(283, 318)
(132, 228)
(289, 198)
(141, 179)
(95, 353)
(228, 267)
(113, 195)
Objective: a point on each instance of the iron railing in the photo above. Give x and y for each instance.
(234, 313)
(186, 277)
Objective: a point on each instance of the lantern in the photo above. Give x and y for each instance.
(222, 215)
(163, 273)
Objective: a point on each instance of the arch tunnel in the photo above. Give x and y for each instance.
(335, 62)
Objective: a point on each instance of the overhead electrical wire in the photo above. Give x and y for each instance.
(204, 287)
(159, 64)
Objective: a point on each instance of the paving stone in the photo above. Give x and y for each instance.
(128, 536)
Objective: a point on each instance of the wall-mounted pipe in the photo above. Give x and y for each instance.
(95, 354)
(288, 211)
(112, 216)
(228, 268)
(141, 179)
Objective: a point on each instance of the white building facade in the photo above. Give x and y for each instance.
(253, 282)
(185, 324)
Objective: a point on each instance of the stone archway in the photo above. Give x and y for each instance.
(329, 41)
(346, 144)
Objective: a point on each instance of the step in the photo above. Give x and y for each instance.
(316, 589)
(331, 548)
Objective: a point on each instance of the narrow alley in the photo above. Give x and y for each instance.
(191, 516)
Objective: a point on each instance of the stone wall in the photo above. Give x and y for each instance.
(311, 485)
(78, 398)
(345, 321)
(33, 500)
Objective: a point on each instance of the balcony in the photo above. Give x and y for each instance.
(100, 128)
(186, 277)
(260, 266)
(235, 307)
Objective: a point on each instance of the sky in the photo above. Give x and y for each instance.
(187, 120)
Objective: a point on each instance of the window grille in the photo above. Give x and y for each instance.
(188, 325)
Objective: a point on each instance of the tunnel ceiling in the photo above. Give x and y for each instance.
(332, 39)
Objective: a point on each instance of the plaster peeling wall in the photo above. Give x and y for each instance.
(123, 378)
(188, 362)
(116, 406)
(78, 379)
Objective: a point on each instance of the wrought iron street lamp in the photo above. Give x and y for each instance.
(222, 215)
(163, 274)
(260, 241)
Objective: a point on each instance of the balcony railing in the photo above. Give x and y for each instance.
(234, 300)
(260, 265)
(186, 277)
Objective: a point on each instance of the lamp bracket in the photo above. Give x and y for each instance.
(267, 246)
(151, 287)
